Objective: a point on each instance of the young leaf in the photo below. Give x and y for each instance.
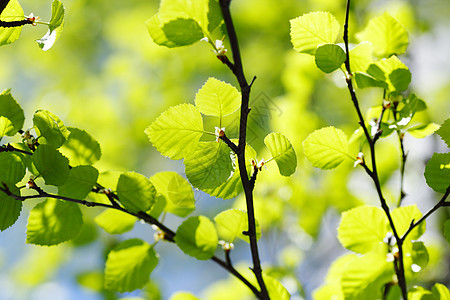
(80, 182)
(362, 228)
(11, 114)
(217, 98)
(55, 26)
(419, 293)
(444, 132)
(276, 289)
(282, 152)
(419, 255)
(197, 237)
(81, 148)
(423, 130)
(361, 57)
(365, 81)
(183, 296)
(437, 172)
(231, 223)
(393, 72)
(365, 277)
(51, 128)
(51, 164)
(177, 131)
(329, 57)
(386, 34)
(182, 31)
(177, 192)
(136, 192)
(403, 216)
(312, 30)
(115, 222)
(52, 222)
(326, 148)
(12, 167)
(440, 291)
(10, 208)
(129, 265)
(412, 105)
(12, 12)
(209, 166)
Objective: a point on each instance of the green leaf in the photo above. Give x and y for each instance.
(129, 265)
(177, 131)
(447, 230)
(231, 223)
(12, 167)
(51, 128)
(136, 192)
(419, 255)
(217, 98)
(233, 186)
(183, 296)
(55, 26)
(10, 208)
(81, 148)
(403, 216)
(440, 292)
(177, 192)
(115, 221)
(197, 237)
(11, 114)
(182, 32)
(80, 182)
(365, 81)
(326, 148)
(12, 12)
(282, 152)
(419, 293)
(444, 132)
(423, 130)
(365, 277)
(313, 29)
(361, 57)
(209, 166)
(437, 172)
(393, 72)
(363, 228)
(51, 164)
(386, 34)
(53, 221)
(329, 57)
(276, 289)
(412, 104)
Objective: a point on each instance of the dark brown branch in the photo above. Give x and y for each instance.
(238, 71)
(230, 144)
(8, 24)
(11, 148)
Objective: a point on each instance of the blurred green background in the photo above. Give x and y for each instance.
(105, 75)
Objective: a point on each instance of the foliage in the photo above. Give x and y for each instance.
(225, 150)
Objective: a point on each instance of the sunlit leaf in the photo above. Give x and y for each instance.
(51, 128)
(326, 148)
(135, 191)
(52, 222)
(386, 34)
(51, 164)
(361, 57)
(444, 132)
(10, 208)
(329, 57)
(81, 148)
(403, 216)
(440, 291)
(412, 104)
(393, 72)
(115, 221)
(313, 29)
(12, 12)
(437, 172)
(11, 114)
(217, 98)
(183, 296)
(423, 130)
(197, 237)
(209, 166)
(177, 192)
(55, 26)
(276, 289)
(231, 223)
(419, 254)
(419, 293)
(282, 152)
(12, 167)
(365, 81)
(177, 131)
(363, 228)
(80, 182)
(129, 265)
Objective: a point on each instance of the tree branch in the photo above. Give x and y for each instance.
(238, 71)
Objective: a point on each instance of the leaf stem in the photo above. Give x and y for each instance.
(238, 71)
